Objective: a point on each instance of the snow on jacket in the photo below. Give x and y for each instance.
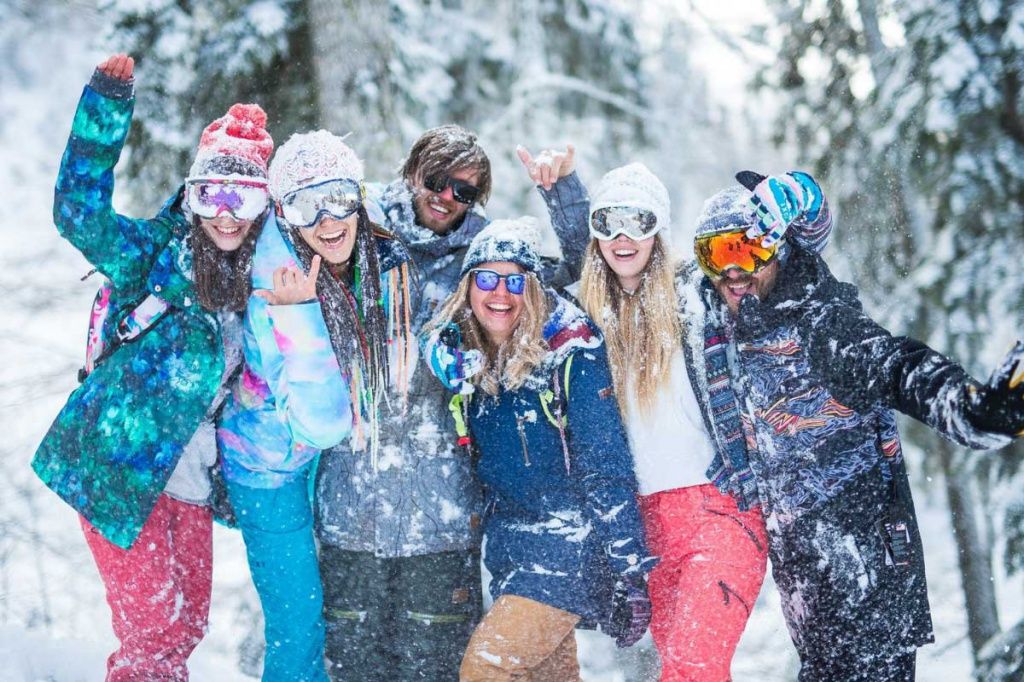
(422, 496)
(570, 210)
(115, 443)
(562, 524)
(818, 381)
(292, 400)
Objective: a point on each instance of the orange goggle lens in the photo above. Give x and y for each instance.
(719, 252)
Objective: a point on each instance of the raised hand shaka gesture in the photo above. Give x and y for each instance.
(547, 167)
(291, 286)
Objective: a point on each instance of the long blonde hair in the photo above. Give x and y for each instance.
(506, 366)
(642, 329)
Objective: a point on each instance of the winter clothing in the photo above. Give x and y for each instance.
(522, 639)
(819, 381)
(825, 665)
(277, 526)
(513, 241)
(710, 569)
(404, 618)
(421, 497)
(158, 591)
(112, 448)
(311, 158)
(561, 520)
(779, 200)
(635, 186)
(998, 406)
(655, 435)
(236, 144)
(292, 400)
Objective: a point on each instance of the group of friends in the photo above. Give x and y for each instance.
(375, 384)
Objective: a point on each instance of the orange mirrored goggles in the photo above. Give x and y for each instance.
(717, 253)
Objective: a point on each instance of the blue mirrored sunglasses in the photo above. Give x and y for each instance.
(487, 280)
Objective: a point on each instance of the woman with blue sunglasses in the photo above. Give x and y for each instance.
(319, 349)
(564, 542)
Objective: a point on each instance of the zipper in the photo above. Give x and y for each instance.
(522, 437)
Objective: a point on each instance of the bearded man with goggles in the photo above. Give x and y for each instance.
(817, 383)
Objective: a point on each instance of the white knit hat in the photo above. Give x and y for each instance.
(310, 158)
(635, 186)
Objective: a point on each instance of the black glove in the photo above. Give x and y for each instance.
(998, 406)
(631, 611)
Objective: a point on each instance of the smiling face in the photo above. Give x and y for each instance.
(497, 311)
(735, 284)
(226, 233)
(438, 211)
(627, 258)
(332, 238)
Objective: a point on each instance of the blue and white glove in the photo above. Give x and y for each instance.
(451, 365)
(779, 201)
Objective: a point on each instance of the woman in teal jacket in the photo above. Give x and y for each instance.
(131, 449)
(319, 327)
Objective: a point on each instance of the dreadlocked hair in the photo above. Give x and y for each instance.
(506, 366)
(641, 329)
(222, 278)
(354, 310)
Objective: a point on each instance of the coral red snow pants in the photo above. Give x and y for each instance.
(158, 591)
(703, 589)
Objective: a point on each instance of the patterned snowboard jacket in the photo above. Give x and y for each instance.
(113, 446)
(818, 382)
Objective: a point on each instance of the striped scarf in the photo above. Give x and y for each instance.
(730, 468)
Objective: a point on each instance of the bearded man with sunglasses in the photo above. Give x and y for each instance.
(399, 532)
(816, 383)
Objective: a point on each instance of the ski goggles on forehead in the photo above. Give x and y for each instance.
(462, 191)
(240, 199)
(336, 198)
(718, 252)
(487, 280)
(636, 223)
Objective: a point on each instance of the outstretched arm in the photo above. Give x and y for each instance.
(864, 364)
(122, 248)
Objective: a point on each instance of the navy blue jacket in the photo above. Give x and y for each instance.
(562, 524)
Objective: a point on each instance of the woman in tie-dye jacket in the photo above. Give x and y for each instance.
(328, 306)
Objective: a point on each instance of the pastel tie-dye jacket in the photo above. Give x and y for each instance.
(292, 400)
(112, 448)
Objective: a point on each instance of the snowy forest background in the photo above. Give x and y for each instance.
(911, 114)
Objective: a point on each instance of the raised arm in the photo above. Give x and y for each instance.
(122, 248)
(568, 206)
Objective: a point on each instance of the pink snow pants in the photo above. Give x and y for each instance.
(158, 591)
(703, 589)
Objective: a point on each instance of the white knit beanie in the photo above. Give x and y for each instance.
(513, 241)
(635, 186)
(310, 158)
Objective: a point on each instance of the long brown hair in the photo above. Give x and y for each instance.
(506, 366)
(222, 278)
(641, 329)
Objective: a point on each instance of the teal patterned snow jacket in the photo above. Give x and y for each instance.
(113, 446)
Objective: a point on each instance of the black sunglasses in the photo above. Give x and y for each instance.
(462, 191)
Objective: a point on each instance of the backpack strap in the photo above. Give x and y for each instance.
(137, 322)
(556, 416)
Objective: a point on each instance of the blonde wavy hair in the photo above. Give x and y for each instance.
(641, 329)
(506, 366)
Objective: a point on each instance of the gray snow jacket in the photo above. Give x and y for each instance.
(421, 496)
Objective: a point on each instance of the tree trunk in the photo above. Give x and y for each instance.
(351, 55)
(974, 555)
